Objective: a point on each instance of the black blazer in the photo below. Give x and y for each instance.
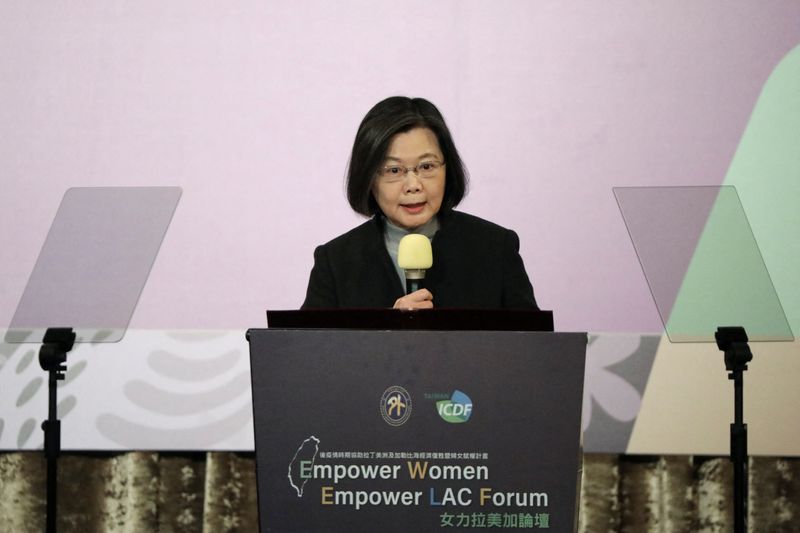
(476, 264)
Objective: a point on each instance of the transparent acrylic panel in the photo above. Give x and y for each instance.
(94, 262)
(702, 262)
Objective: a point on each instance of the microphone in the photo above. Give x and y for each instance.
(415, 256)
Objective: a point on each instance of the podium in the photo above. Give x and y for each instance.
(427, 319)
(389, 429)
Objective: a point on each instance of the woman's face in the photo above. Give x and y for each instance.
(408, 199)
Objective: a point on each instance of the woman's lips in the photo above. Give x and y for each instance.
(413, 208)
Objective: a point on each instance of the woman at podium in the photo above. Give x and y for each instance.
(406, 175)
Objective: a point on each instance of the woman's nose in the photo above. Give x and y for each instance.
(413, 183)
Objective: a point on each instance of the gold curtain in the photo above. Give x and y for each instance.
(216, 492)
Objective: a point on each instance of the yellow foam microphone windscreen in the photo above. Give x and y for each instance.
(414, 252)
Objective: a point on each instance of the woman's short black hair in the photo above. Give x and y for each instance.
(399, 114)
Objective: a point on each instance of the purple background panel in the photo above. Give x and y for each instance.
(251, 108)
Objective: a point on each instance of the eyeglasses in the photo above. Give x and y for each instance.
(423, 169)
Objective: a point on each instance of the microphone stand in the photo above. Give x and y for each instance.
(52, 358)
(733, 341)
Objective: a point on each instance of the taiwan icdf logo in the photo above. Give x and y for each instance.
(395, 405)
(457, 409)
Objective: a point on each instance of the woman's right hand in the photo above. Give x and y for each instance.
(421, 299)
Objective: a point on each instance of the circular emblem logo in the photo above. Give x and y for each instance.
(395, 405)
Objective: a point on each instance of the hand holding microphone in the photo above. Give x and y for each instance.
(415, 256)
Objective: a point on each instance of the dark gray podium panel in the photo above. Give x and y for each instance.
(416, 430)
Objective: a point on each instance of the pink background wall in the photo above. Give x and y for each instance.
(251, 107)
